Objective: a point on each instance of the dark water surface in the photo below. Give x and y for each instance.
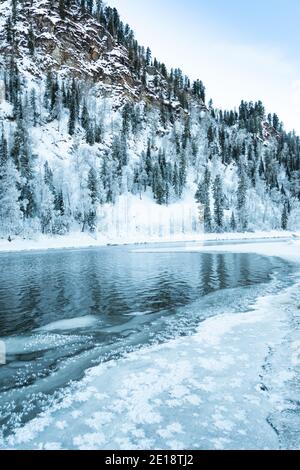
(63, 311)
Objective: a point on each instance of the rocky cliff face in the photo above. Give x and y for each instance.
(75, 45)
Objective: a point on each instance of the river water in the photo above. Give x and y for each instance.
(62, 312)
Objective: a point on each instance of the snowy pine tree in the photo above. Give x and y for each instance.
(241, 201)
(233, 225)
(46, 211)
(284, 218)
(218, 203)
(10, 211)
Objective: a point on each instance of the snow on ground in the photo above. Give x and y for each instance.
(131, 220)
(227, 386)
(86, 240)
(288, 249)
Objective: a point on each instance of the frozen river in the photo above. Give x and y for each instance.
(77, 324)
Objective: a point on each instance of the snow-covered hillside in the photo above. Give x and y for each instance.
(97, 136)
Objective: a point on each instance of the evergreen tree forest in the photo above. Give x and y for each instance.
(67, 151)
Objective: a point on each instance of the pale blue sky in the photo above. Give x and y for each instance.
(240, 50)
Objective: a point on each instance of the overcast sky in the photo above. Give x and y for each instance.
(241, 50)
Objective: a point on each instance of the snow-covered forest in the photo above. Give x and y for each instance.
(97, 136)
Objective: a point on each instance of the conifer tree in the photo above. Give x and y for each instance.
(148, 163)
(242, 199)
(46, 210)
(93, 186)
(89, 6)
(3, 149)
(207, 218)
(31, 41)
(61, 9)
(176, 181)
(218, 203)
(9, 30)
(59, 203)
(233, 222)
(14, 10)
(284, 218)
(203, 197)
(33, 105)
(10, 211)
(72, 116)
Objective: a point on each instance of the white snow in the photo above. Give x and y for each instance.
(70, 324)
(86, 240)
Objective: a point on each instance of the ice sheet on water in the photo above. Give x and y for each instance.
(200, 391)
(70, 323)
(282, 378)
(50, 360)
(36, 342)
(138, 314)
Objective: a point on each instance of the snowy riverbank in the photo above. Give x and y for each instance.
(230, 385)
(85, 240)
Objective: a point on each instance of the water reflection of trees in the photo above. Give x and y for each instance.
(37, 289)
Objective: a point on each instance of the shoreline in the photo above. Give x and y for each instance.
(84, 241)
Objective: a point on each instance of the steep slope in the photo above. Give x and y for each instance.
(98, 136)
(75, 44)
